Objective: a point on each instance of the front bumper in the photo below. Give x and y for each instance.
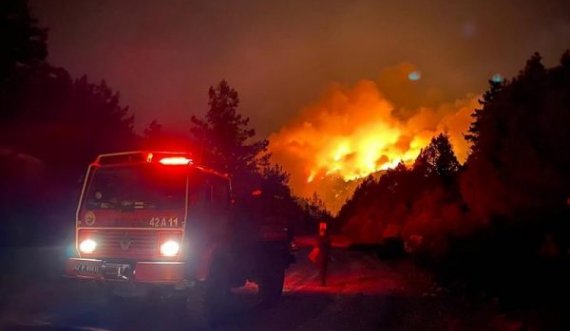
(140, 272)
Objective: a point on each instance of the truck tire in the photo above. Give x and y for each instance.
(206, 303)
(199, 309)
(270, 285)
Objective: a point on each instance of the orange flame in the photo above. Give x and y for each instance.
(353, 132)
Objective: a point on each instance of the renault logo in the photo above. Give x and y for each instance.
(126, 242)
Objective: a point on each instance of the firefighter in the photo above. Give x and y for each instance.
(324, 243)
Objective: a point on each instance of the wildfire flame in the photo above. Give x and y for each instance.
(353, 132)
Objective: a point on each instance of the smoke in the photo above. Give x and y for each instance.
(352, 132)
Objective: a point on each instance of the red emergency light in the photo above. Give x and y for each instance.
(175, 160)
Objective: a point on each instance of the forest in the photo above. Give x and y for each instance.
(493, 224)
(52, 125)
(497, 224)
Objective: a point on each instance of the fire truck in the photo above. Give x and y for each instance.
(155, 219)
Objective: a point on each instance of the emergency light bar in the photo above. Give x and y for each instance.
(164, 158)
(175, 160)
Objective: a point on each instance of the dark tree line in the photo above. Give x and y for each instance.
(500, 221)
(520, 143)
(53, 125)
(227, 143)
(421, 201)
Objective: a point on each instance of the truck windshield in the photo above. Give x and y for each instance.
(139, 187)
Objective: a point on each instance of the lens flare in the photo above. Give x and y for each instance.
(497, 78)
(414, 75)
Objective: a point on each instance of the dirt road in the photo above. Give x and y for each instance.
(363, 293)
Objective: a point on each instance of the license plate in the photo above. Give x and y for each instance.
(91, 268)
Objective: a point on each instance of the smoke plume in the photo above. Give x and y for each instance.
(352, 132)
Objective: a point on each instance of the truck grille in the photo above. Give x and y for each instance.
(123, 243)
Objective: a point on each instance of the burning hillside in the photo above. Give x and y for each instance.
(352, 132)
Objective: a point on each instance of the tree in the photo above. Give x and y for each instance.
(64, 124)
(23, 42)
(225, 139)
(51, 127)
(315, 206)
(24, 51)
(227, 143)
(153, 136)
(521, 147)
(403, 202)
(93, 115)
(154, 129)
(275, 180)
(474, 130)
(534, 69)
(437, 159)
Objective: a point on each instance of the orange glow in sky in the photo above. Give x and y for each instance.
(352, 132)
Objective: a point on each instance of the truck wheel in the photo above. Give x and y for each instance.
(199, 307)
(271, 285)
(206, 302)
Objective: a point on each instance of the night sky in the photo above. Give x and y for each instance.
(163, 55)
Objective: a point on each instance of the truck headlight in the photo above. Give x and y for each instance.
(169, 248)
(87, 246)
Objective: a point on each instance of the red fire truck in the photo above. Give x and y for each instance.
(156, 219)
